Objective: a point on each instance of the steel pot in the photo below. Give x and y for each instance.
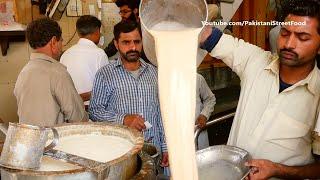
(190, 13)
(222, 162)
(24, 145)
(124, 167)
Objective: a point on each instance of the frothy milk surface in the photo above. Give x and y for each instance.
(95, 147)
(176, 50)
(221, 170)
(50, 164)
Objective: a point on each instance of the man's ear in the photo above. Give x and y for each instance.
(115, 42)
(53, 42)
(97, 32)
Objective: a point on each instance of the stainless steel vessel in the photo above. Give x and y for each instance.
(145, 171)
(190, 13)
(124, 167)
(222, 162)
(24, 146)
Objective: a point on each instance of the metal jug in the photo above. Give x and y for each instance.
(24, 145)
(191, 13)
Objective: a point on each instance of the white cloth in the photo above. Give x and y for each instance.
(205, 101)
(268, 124)
(83, 60)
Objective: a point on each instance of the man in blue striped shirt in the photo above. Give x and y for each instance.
(126, 91)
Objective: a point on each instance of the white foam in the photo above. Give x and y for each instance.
(95, 147)
(50, 164)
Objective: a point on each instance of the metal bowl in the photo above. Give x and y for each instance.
(222, 162)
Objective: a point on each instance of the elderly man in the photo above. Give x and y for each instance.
(279, 100)
(44, 89)
(205, 101)
(126, 92)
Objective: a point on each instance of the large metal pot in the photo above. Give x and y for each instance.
(145, 171)
(25, 152)
(222, 162)
(190, 13)
(124, 167)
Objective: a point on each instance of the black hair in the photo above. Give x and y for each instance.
(41, 31)
(309, 8)
(87, 24)
(132, 4)
(125, 27)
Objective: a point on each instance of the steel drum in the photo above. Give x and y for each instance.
(222, 162)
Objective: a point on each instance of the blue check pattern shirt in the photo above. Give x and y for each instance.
(117, 92)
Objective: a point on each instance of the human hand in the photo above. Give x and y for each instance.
(261, 169)
(134, 121)
(165, 160)
(201, 121)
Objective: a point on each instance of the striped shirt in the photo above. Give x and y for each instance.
(117, 92)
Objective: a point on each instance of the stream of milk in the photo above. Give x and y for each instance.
(176, 50)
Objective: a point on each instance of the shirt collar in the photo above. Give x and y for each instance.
(312, 80)
(35, 55)
(84, 41)
(273, 65)
(143, 64)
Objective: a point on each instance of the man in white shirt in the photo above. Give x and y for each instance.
(205, 105)
(279, 100)
(85, 58)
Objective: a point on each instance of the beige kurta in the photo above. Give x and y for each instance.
(268, 124)
(45, 93)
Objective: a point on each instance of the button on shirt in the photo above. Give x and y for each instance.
(45, 93)
(117, 92)
(83, 60)
(268, 124)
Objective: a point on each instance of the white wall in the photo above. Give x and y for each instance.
(13, 62)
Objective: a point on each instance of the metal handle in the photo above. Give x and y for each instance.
(208, 124)
(102, 169)
(246, 174)
(54, 141)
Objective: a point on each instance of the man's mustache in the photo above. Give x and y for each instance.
(289, 51)
(135, 52)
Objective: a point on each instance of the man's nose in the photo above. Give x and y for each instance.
(291, 42)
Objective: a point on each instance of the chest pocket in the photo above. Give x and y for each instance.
(288, 133)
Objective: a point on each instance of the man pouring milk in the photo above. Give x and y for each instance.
(279, 101)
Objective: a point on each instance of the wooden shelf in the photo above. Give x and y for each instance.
(7, 36)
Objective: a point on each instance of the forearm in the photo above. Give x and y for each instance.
(101, 114)
(232, 51)
(161, 132)
(162, 137)
(310, 171)
(208, 106)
